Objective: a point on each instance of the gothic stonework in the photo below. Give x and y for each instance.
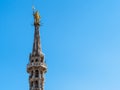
(36, 66)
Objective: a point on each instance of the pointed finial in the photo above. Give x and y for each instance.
(33, 8)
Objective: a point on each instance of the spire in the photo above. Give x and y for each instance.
(36, 44)
(36, 66)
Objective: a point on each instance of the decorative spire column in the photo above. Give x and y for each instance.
(36, 66)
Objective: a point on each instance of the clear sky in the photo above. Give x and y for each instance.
(80, 40)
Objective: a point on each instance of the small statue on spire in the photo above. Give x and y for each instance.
(36, 16)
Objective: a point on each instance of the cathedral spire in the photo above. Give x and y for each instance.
(36, 66)
(36, 44)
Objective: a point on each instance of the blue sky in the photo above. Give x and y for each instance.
(80, 40)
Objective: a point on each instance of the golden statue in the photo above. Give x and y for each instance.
(36, 17)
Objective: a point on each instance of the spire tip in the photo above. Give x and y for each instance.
(33, 8)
